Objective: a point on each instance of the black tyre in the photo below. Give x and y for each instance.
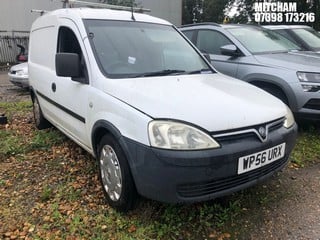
(39, 119)
(115, 175)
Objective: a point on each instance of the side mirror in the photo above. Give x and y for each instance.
(229, 50)
(67, 65)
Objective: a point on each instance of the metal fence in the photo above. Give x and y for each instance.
(9, 46)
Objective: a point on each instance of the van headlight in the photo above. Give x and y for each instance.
(178, 136)
(289, 121)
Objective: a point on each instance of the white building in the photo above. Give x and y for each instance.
(171, 10)
(15, 15)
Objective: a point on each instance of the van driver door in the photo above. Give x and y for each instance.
(71, 94)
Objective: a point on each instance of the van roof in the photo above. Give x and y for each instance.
(107, 14)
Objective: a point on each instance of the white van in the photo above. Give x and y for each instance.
(161, 122)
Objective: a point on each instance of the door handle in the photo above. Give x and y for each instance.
(53, 87)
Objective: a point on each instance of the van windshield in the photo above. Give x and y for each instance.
(134, 49)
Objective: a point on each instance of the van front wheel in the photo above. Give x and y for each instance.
(115, 175)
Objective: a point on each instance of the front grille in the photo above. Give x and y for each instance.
(313, 104)
(276, 126)
(248, 133)
(202, 189)
(235, 137)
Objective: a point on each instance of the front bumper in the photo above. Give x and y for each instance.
(310, 110)
(189, 176)
(20, 81)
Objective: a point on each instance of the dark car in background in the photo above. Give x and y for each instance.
(265, 59)
(304, 36)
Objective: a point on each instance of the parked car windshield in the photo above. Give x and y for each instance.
(310, 36)
(259, 41)
(134, 49)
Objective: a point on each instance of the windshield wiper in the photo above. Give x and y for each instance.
(163, 73)
(204, 70)
(167, 72)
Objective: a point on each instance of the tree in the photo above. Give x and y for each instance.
(245, 11)
(204, 10)
(214, 10)
(187, 15)
(314, 6)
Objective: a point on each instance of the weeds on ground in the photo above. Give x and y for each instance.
(307, 149)
(12, 108)
(19, 136)
(16, 143)
(65, 201)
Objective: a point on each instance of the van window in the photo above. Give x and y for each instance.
(135, 49)
(68, 43)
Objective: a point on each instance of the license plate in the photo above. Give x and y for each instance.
(260, 159)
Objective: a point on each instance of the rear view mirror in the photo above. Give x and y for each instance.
(67, 65)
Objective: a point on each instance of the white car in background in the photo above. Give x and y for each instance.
(18, 75)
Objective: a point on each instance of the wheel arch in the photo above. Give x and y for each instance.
(284, 88)
(104, 127)
(101, 128)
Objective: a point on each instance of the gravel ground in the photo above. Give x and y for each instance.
(295, 215)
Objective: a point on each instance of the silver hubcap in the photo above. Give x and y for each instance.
(110, 173)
